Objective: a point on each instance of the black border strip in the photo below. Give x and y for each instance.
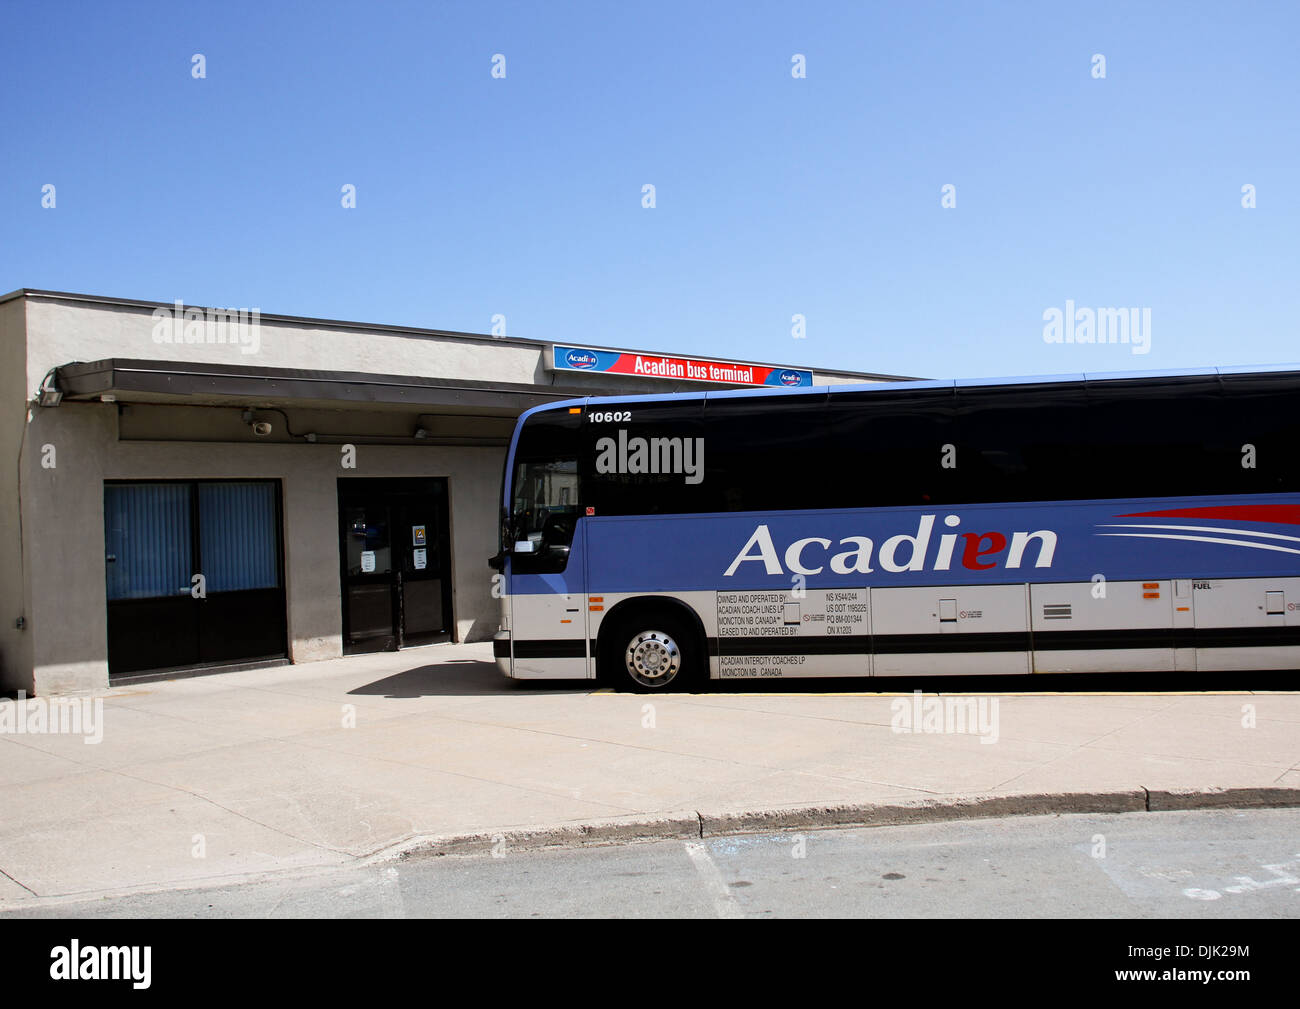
(856, 644)
(1168, 637)
(955, 641)
(543, 648)
(1142, 637)
(880, 644)
(1242, 637)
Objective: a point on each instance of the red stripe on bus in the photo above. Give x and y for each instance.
(1280, 514)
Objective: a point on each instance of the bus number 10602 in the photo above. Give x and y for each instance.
(609, 416)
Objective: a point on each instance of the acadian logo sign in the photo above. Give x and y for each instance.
(687, 369)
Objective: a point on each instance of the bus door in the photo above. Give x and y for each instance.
(547, 572)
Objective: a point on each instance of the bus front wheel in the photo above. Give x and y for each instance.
(653, 652)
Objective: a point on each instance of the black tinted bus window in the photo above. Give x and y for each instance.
(1260, 432)
(645, 458)
(1155, 437)
(550, 434)
(889, 449)
(1020, 443)
(768, 453)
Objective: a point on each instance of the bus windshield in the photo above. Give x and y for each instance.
(545, 503)
(543, 494)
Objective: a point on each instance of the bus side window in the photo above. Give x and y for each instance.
(1023, 443)
(891, 448)
(648, 462)
(1263, 412)
(1155, 438)
(769, 454)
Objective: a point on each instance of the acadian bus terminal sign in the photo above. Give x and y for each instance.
(688, 369)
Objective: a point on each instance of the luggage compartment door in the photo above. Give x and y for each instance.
(1104, 627)
(950, 630)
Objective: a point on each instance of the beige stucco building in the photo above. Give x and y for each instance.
(184, 491)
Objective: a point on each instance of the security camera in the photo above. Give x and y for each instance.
(262, 428)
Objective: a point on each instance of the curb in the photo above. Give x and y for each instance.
(684, 825)
(692, 825)
(1222, 798)
(695, 825)
(926, 811)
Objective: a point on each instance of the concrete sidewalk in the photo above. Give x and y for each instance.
(217, 778)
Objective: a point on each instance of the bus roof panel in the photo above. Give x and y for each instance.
(1259, 369)
(1117, 376)
(929, 383)
(805, 390)
(964, 383)
(647, 397)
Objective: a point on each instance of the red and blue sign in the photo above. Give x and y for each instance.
(684, 369)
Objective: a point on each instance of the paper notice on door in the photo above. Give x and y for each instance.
(367, 561)
(421, 558)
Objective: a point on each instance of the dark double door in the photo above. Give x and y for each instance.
(395, 553)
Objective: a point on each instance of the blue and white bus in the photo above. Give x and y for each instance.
(1078, 523)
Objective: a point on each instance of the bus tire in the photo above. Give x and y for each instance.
(651, 651)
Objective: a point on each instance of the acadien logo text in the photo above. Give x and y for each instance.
(981, 551)
(684, 456)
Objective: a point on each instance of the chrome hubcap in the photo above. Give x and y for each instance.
(653, 658)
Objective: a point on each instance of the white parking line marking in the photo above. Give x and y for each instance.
(724, 901)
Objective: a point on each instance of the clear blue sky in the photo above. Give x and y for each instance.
(775, 196)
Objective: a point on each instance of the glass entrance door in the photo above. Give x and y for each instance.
(368, 579)
(395, 563)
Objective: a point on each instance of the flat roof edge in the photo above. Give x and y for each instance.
(420, 331)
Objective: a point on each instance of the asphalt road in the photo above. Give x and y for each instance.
(1199, 865)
